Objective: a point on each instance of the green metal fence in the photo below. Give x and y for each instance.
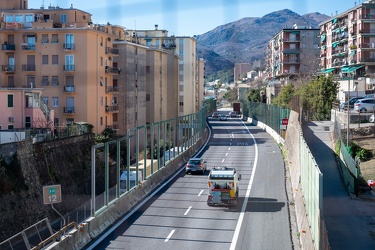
(120, 165)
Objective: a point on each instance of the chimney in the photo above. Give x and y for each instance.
(71, 6)
(156, 27)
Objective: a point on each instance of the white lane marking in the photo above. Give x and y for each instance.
(187, 211)
(228, 148)
(201, 192)
(169, 236)
(222, 160)
(226, 154)
(242, 214)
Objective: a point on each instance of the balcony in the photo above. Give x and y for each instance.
(112, 108)
(291, 61)
(291, 51)
(69, 67)
(288, 40)
(8, 68)
(367, 32)
(28, 46)
(111, 70)
(69, 89)
(114, 126)
(367, 46)
(111, 89)
(112, 51)
(69, 110)
(68, 46)
(28, 67)
(8, 47)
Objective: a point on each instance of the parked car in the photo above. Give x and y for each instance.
(352, 100)
(223, 117)
(196, 165)
(365, 105)
(215, 115)
(372, 119)
(369, 96)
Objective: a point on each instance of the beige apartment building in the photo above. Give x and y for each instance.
(347, 43)
(291, 53)
(185, 49)
(61, 52)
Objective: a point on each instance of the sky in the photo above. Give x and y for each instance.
(190, 17)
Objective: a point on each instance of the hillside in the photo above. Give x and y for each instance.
(246, 40)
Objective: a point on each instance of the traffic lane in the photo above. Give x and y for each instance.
(162, 221)
(266, 220)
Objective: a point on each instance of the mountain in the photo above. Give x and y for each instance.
(246, 40)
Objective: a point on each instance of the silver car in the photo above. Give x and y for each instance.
(196, 165)
(371, 118)
(365, 105)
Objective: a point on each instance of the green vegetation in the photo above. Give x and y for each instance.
(357, 152)
(315, 96)
(225, 76)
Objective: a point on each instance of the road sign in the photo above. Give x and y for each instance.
(284, 121)
(51, 194)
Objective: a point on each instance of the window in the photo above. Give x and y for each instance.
(55, 38)
(44, 59)
(63, 18)
(101, 121)
(56, 121)
(303, 46)
(9, 18)
(181, 104)
(55, 59)
(10, 126)
(114, 117)
(316, 46)
(69, 80)
(29, 18)
(101, 101)
(10, 101)
(45, 100)
(147, 97)
(55, 80)
(69, 41)
(101, 61)
(55, 102)
(44, 81)
(19, 18)
(101, 81)
(27, 122)
(181, 52)
(10, 81)
(69, 120)
(44, 38)
(69, 62)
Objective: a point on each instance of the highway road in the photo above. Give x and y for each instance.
(177, 216)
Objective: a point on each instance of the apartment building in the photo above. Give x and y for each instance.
(292, 52)
(129, 86)
(240, 71)
(185, 49)
(64, 55)
(347, 43)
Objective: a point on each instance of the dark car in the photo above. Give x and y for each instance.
(233, 114)
(215, 115)
(352, 100)
(196, 165)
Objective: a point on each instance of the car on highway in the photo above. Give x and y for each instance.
(196, 165)
(215, 115)
(223, 117)
(365, 105)
(233, 114)
(372, 119)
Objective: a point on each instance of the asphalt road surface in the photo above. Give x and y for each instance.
(177, 216)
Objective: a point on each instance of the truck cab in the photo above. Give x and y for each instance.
(223, 185)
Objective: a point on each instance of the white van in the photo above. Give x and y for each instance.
(132, 178)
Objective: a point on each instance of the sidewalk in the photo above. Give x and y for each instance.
(350, 220)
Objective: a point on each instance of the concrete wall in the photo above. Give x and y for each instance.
(86, 232)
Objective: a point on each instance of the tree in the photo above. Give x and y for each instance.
(254, 95)
(285, 95)
(317, 97)
(231, 95)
